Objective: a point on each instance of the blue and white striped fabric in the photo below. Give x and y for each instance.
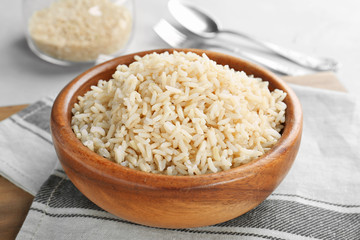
(319, 198)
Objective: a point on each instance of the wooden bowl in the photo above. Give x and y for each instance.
(173, 201)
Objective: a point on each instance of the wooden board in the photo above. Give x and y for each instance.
(10, 110)
(324, 80)
(14, 206)
(15, 203)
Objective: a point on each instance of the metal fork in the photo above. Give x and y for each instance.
(177, 39)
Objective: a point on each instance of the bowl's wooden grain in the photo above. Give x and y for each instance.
(173, 201)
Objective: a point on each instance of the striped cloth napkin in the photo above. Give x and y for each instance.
(319, 198)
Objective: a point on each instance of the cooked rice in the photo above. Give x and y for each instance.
(179, 114)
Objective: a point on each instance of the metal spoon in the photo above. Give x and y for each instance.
(201, 24)
(177, 39)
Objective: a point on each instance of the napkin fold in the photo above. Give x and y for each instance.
(27, 154)
(319, 198)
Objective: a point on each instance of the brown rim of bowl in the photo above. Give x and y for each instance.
(112, 172)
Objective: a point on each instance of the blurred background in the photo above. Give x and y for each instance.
(319, 28)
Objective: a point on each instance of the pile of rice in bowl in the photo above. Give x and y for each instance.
(179, 114)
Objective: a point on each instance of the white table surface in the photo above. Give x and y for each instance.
(321, 28)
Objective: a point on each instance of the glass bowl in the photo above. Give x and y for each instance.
(69, 32)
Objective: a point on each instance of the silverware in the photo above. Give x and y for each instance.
(201, 24)
(177, 39)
